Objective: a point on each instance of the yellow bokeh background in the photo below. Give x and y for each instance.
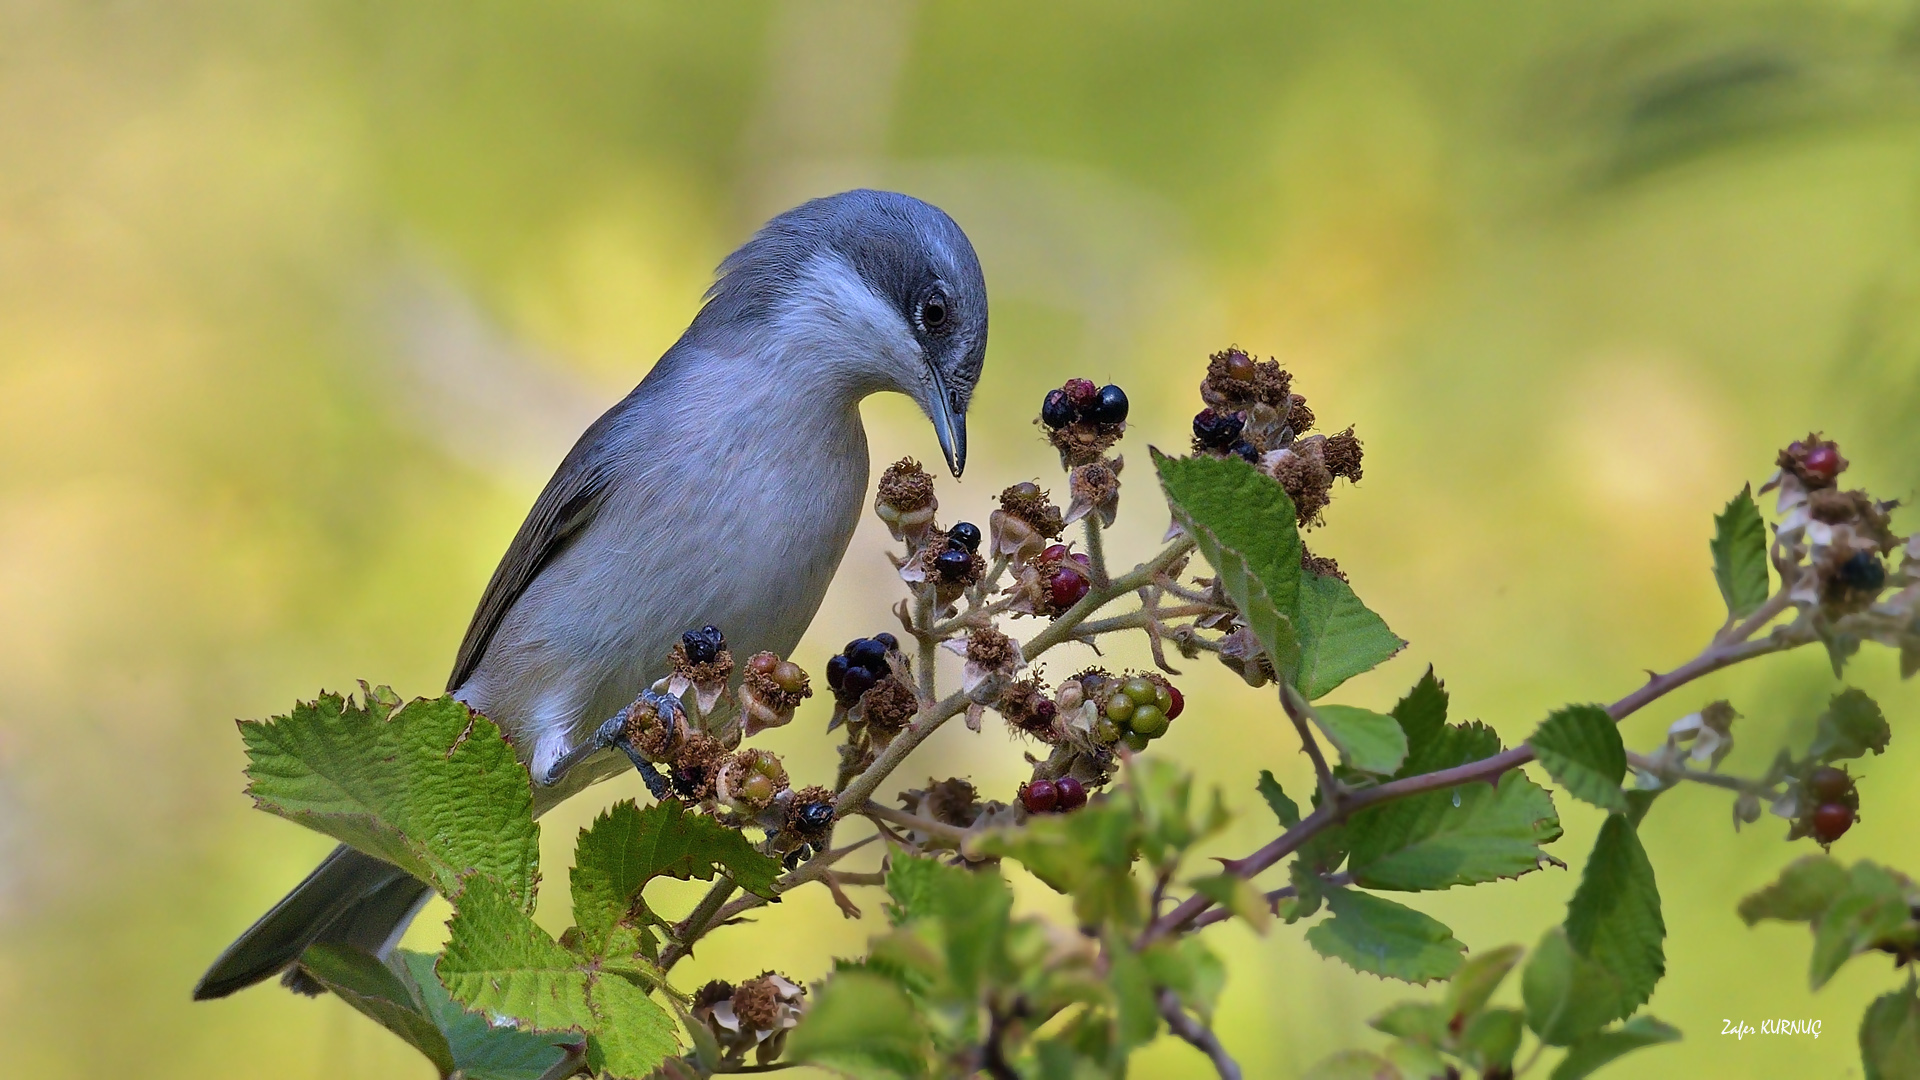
(301, 302)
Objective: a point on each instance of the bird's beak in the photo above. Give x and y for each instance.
(949, 427)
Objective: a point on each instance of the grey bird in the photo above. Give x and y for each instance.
(723, 490)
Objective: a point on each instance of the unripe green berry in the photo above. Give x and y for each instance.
(1148, 720)
(1141, 690)
(1137, 742)
(757, 788)
(1162, 696)
(1106, 731)
(1119, 708)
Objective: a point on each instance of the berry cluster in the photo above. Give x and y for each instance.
(1252, 413)
(1053, 580)
(703, 646)
(1082, 420)
(1830, 542)
(1135, 710)
(1053, 796)
(860, 666)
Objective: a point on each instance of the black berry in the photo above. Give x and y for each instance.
(1072, 794)
(1863, 572)
(836, 670)
(966, 534)
(816, 816)
(1109, 407)
(703, 645)
(887, 641)
(868, 653)
(794, 858)
(1246, 450)
(1217, 431)
(1058, 411)
(856, 681)
(953, 564)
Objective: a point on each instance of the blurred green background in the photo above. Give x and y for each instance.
(301, 302)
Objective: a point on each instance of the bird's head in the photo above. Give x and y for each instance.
(872, 291)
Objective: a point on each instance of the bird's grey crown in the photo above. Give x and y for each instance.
(901, 247)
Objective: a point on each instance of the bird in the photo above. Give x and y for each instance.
(723, 490)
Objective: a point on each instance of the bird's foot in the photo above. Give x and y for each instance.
(613, 733)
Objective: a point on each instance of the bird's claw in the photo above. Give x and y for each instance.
(613, 733)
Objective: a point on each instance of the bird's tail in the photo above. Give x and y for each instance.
(349, 899)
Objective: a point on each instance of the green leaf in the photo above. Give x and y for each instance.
(1243, 523)
(1340, 637)
(481, 1050)
(362, 981)
(497, 958)
(1614, 917)
(1367, 740)
(430, 787)
(1283, 808)
(1136, 1014)
(1805, 889)
(1890, 1036)
(971, 908)
(1851, 726)
(1874, 909)
(627, 847)
(1418, 1020)
(1567, 996)
(864, 1025)
(1740, 555)
(1428, 842)
(1087, 855)
(1601, 1048)
(1378, 936)
(1580, 747)
(634, 1034)
(1491, 1038)
(1423, 712)
(1238, 895)
(1473, 985)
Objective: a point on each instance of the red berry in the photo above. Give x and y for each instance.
(1081, 392)
(1179, 702)
(1072, 794)
(1822, 461)
(1828, 784)
(1081, 558)
(1054, 553)
(1040, 797)
(1067, 587)
(1830, 822)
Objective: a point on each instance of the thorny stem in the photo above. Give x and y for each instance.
(1273, 900)
(1722, 653)
(939, 830)
(856, 794)
(1199, 1035)
(1672, 773)
(1062, 628)
(713, 909)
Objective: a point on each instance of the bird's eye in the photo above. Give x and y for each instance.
(933, 311)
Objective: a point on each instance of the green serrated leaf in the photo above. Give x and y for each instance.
(627, 847)
(1340, 637)
(1599, 1049)
(1238, 895)
(1087, 855)
(1243, 523)
(1136, 1014)
(1283, 808)
(1614, 917)
(430, 787)
(1851, 727)
(634, 1034)
(1309, 889)
(864, 1025)
(1367, 740)
(1422, 713)
(498, 958)
(1567, 996)
(1873, 909)
(1429, 842)
(1376, 935)
(1473, 985)
(1740, 555)
(380, 994)
(1418, 1020)
(1890, 1036)
(1580, 748)
(481, 1050)
(1805, 889)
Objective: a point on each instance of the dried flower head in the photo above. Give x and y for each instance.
(810, 814)
(770, 690)
(1302, 469)
(749, 781)
(708, 680)
(654, 735)
(905, 501)
(887, 707)
(1096, 490)
(990, 655)
(1027, 706)
(695, 765)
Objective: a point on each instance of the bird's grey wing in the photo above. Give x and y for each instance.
(569, 503)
